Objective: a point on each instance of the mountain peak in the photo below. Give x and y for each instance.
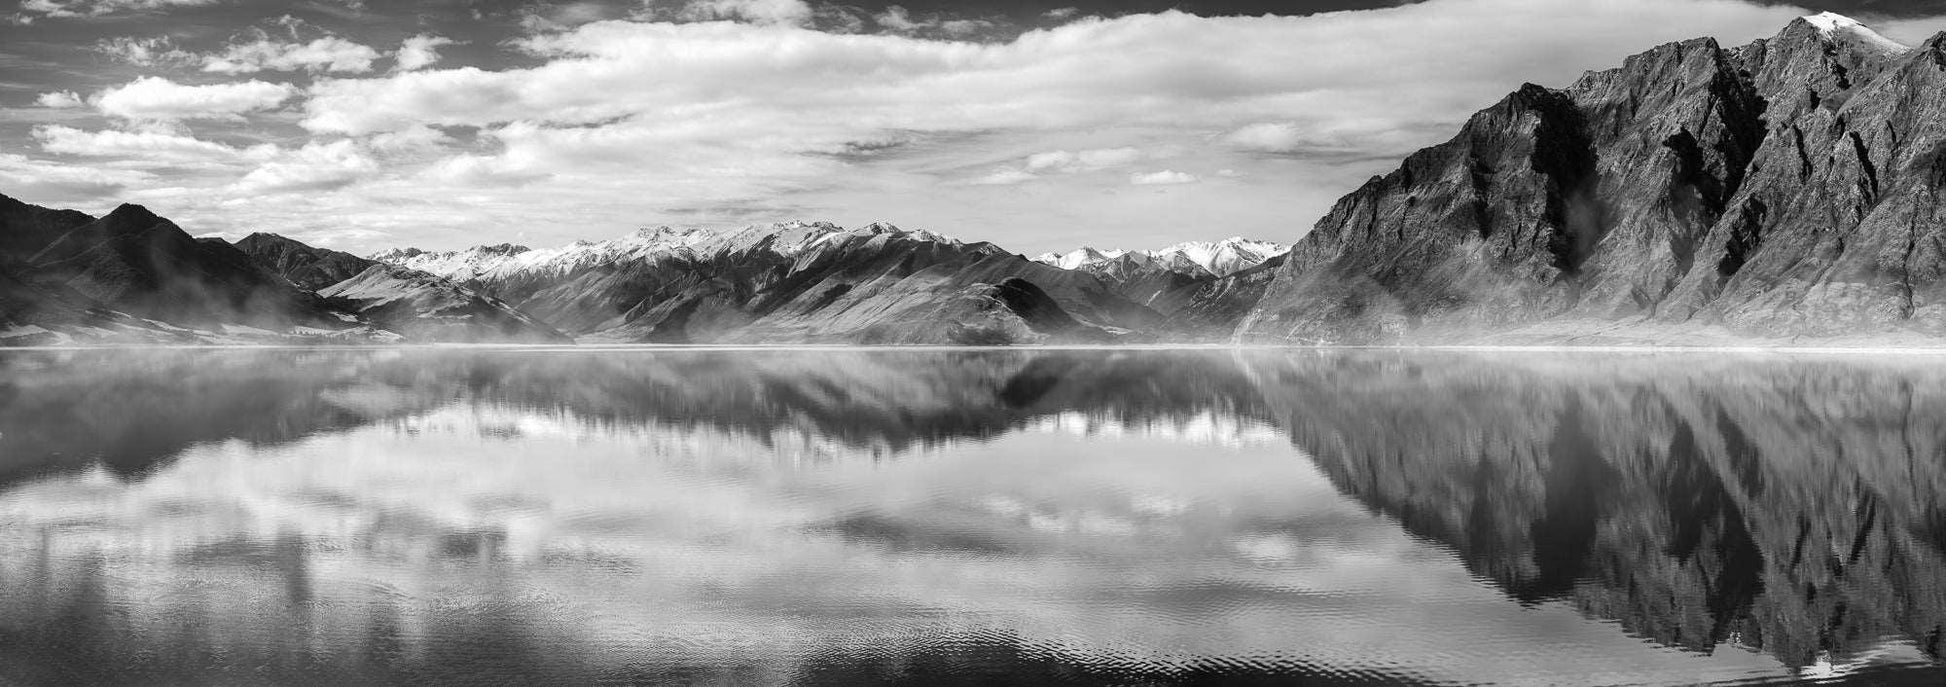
(502, 249)
(130, 212)
(266, 237)
(1836, 26)
(1830, 21)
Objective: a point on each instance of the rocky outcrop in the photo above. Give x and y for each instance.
(1782, 189)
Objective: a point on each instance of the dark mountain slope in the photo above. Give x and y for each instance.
(1786, 188)
(134, 277)
(135, 262)
(303, 265)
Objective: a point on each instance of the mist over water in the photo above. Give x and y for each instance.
(658, 516)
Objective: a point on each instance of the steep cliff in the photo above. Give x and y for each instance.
(1787, 188)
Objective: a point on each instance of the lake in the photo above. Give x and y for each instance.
(978, 516)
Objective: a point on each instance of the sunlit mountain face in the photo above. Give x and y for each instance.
(270, 516)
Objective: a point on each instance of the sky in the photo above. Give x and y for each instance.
(369, 124)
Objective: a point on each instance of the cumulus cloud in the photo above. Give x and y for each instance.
(1167, 176)
(97, 8)
(59, 100)
(314, 167)
(327, 54)
(420, 51)
(153, 98)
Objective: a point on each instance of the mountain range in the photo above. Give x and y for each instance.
(1784, 191)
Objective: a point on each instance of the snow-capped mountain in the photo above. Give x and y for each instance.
(505, 262)
(793, 281)
(1218, 258)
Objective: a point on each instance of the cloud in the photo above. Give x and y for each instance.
(146, 146)
(146, 52)
(153, 98)
(602, 123)
(560, 17)
(1167, 176)
(785, 12)
(420, 51)
(1912, 31)
(1061, 13)
(63, 182)
(899, 20)
(896, 18)
(1082, 161)
(1270, 137)
(327, 54)
(97, 8)
(59, 100)
(1003, 177)
(314, 167)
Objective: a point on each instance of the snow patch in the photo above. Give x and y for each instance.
(1218, 257)
(1838, 26)
(494, 263)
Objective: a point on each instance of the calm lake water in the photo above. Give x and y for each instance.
(768, 517)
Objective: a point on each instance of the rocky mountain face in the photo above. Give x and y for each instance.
(793, 282)
(1783, 189)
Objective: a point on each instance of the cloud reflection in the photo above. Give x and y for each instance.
(778, 517)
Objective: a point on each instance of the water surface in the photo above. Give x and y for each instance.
(656, 516)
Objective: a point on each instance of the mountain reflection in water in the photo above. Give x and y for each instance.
(655, 516)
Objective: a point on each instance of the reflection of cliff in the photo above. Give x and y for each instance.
(1788, 505)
